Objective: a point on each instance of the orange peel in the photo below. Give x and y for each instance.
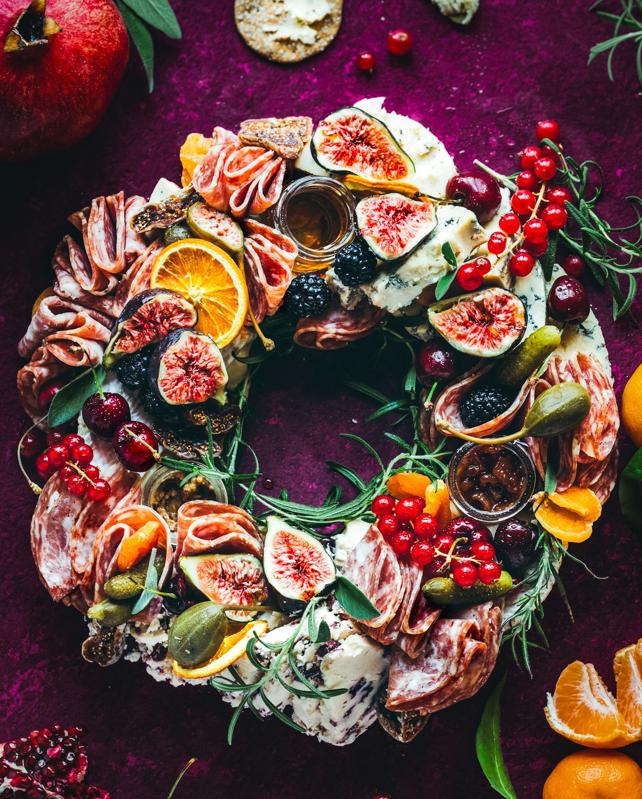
(231, 649)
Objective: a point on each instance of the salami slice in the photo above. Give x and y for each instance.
(269, 258)
(337, 327)
(209, 526)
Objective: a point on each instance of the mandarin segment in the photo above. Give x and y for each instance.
(627, 665)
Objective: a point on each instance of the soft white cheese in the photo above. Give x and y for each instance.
(531, 289)
(347, 540)
(308, 10)
(295, 22)
(163, 190)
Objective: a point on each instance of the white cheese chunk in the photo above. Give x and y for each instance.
(295, 22)
(163, 190)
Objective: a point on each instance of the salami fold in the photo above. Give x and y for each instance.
(337, 327)
(269, 258)
(209, 526)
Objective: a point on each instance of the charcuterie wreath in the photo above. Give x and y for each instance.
(389, 606)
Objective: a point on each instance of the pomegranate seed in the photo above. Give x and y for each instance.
(383, 504)
(409, 508)
(529, 155)
(548, 129)
(366, 62)
(574, 265)
(522, 202)
(521, 263)
(399, 42)
(509, 223)
(555, 216)
(469, 277)
(527, 180)
(545, 168)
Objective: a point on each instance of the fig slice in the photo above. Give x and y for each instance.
(393, 225)
(485, 324)
(235, 579)
(296, 564)
(146, 319)
(187, 367)
(215, 226)
(349, 140)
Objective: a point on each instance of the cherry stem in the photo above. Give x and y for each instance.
(33, 486)
(155, 452)
(99, 387)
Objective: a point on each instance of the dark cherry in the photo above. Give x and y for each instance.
(33, 443)
(103, 414)
(477, 191)
(567, 300)
(515, 543)
(136, 446)
(435, 362)
(47, 394)
(469, 529)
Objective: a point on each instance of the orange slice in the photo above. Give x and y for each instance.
(632, 407)
(206, 275)
(583, 710)
(192, 152)
(581, 501)
(232, 648)
(627, 665)
(408, 484)
(562, 523)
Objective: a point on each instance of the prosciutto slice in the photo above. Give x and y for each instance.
(269, 258)
(337, 327)
(31, 378)
(209, 526)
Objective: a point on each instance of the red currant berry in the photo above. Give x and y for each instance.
(66, 472)
(82, 454)
(422, 553)
(32, 443)
(558, 194)
(482, 550)
(529, 155)
(489, 571)
(527, 180)
(535, 230)
(555, 216)
(399, 42)
(55, 437)
(464, 574)
(58, 454)
(77, 485)
(545, 168)
(574, 265)
(43, 467)
(383, 504)
(426, 526)
(99, 491)
(482, 264)
(469, 277)
(521, 263)
(48, 393)
(509, 223)
(366, 62)
(548, 129)
(436, 567)
(522, 202)
(401, 542)
(443, 543)
(91, 472)
(549, 152)
(496, 243)
(71, 439)
(409, 508)
(388, 525)
(537, 248)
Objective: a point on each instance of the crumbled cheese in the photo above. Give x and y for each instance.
(348, 539)
(460, 11)
(308, 10)
(295, 24)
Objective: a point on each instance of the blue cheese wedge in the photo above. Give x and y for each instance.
(532, 291)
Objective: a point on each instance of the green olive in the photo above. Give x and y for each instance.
(522, 362)
(444, 591)
(197, 634)
(109, 613)
(176, 232)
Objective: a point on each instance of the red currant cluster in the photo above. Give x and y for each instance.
(398, 43)
(72, 457)
(462, 548)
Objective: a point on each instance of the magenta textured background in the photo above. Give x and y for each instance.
(480, 89)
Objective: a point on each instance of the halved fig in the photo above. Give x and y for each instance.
(187, 367)
(296, 564)
(236, 579)
(146, 319)
(215, 226)
(485, 324)
(393, 225)
(354, 142)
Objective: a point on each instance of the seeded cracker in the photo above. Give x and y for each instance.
(288, 31)
(287, 136)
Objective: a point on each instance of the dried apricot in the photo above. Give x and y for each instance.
(562, 523)
(581, 501)
(138, 545)
(408, 484)
(191, 154)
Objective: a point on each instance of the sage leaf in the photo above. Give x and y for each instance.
(143, 42)
(488, 745)
(444, 283)
(550, 478)
(68, 402)
(449, 255)
(158, 14)
(353, 600)
(151, 585)
(630, 492)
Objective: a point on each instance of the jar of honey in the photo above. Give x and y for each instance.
(318, 213)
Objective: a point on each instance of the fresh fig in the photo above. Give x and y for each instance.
(485, 324)
(296, 564)
(187, 367)
(355, 142)
(215, 226)
(227, 579)
(393, 225)
(145, 319)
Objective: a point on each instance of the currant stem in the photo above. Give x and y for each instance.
(37, 490)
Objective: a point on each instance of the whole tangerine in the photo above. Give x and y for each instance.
(594, 774)
(632, 407)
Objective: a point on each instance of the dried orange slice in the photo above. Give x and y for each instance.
(408, 484)
(581, 501)
(206, 275)
(232, 648)
(627, 665)
(562, 523)
(192, 152)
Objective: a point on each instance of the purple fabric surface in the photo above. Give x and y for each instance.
(480, 89)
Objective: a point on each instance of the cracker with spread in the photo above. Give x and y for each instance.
(287, 137)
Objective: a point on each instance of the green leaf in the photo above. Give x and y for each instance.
(630, 492)
(158, 14)
(151, 585)
(449, 255)
(489, 747)
(69, 400)
(444, 283)
(142, 40)
(550, 478)
(353, 600)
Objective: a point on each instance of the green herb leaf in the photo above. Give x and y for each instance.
(630, 492)
(68, 402)
(142, 39)
(550, 478)
(444, 283)
(353, 600)
(151, 585)
(488, 745)
(449, 255)
(158, 14)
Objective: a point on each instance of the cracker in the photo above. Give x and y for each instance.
(287, 136)
(257, 21)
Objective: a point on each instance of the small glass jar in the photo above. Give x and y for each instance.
(319, 214)
(464, 497)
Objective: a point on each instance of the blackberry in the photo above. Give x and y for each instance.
(308, 295)
(157, 408)
(483, 404)
(131, 370)
(355, 263)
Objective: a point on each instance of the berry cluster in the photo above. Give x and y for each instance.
(398, 43)
(72, 457)
(462, 548)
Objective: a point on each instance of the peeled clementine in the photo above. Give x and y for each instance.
(627, 666)
(594, 774)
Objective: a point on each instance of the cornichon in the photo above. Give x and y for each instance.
(444, 591)
(520, 364)
(130, 584)
(176, 232)
(197, 633)
(109, 613)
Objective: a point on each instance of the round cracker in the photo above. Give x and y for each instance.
(253, 16)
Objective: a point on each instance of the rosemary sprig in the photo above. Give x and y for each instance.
(627, 28)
